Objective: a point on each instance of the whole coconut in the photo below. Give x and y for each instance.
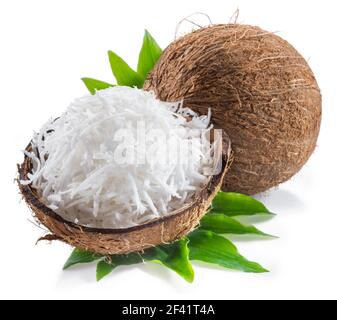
(261, 91)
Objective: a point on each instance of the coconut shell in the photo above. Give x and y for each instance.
(119, 241)
(261, 91)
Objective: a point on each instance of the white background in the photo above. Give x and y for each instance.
(46, 46)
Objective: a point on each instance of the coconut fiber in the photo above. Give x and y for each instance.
(261, 91)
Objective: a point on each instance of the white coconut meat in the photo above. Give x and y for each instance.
(120, 158)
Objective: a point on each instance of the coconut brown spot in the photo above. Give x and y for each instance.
(261, 91)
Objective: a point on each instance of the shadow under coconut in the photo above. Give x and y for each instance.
(82, 272)
(280, 200)
(159, 271)
(87, 273)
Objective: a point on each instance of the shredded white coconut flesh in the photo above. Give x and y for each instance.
(109, 160)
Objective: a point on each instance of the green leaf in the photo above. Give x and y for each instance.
(219, 223)
(124, 75)
(209, 247)
(174, 256)
(106, 266)
(93, 85)
(103, 269)
(235, 204)
(149, 55)
(80, 256)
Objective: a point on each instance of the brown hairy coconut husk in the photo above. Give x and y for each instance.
(138, 238)
(261, 92)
